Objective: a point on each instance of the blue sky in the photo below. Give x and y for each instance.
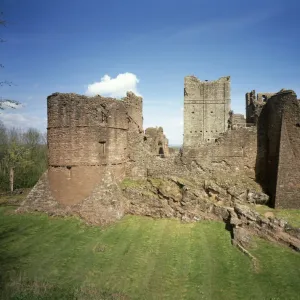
(65, 46)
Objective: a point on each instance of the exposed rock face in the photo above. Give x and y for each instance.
(188, 199)
(193, 200)
(246, 222)
(257, 198)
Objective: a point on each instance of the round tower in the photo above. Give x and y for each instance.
(87, 137)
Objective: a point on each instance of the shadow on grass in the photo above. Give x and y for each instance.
(10, 260)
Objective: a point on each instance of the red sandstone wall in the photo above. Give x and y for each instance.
(86, 138)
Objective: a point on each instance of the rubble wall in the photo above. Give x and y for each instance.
(235, 149)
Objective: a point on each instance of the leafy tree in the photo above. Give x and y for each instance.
(17, 155)
(23, 157)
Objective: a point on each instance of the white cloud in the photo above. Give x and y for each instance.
(23, 121)
(8, 104)
(114, 87)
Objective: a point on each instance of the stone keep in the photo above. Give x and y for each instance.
(206, 110)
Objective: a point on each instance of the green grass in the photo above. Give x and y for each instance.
(13, 199)
(137, 258)
(292, 216)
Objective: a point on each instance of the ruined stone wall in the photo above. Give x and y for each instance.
(254, 105)
(86, 138)
(157, 141)
(250, 108)
(134, 107)
(137, 153)
(263, 97)
(278, 161)
(206, 110)
(213, 135)
(237, 121)
(235, 149)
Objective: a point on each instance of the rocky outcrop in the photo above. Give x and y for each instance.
(190, 201)
(245, 222)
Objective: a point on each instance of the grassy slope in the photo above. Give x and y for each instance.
(290, 215)
(143, 259)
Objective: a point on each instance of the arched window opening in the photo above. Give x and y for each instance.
(161, 152)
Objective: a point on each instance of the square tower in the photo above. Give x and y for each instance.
(206, 110)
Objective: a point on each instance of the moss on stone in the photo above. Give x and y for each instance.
(133, 183)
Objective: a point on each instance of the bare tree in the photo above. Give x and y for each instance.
(6, 103)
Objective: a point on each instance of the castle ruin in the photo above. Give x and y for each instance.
(95, 143)
(265, 143)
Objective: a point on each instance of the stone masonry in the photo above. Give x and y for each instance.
(254, 104)
(95, 143)
(278, 159)
(102, 165)
(93, 140)
(157, 141)
(86, 138)
(206, 110)
(265, 145)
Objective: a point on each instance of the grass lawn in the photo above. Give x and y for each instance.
(137, 258)
(290, 215)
